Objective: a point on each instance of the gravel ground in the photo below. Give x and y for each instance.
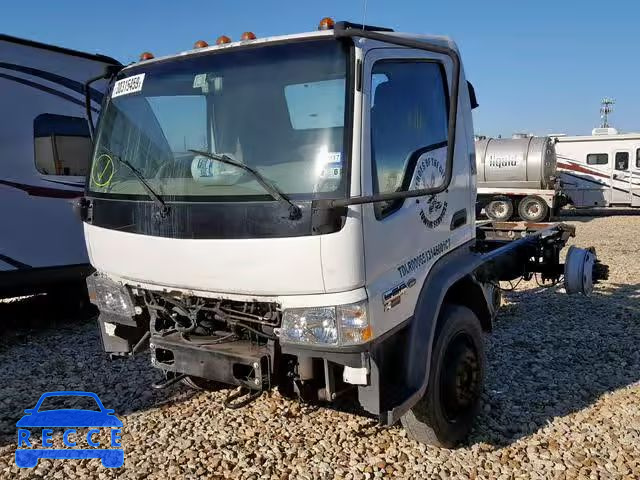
(562, 398)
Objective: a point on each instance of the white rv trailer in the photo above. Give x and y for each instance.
(600, 170)
(44, 154)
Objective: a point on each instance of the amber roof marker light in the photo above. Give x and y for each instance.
(222, 39)
(146, 56)
(326, 23)
(200, 44)
(248, 36)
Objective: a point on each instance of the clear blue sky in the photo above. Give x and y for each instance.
(538, 66)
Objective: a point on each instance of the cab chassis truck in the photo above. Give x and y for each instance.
(319, 235)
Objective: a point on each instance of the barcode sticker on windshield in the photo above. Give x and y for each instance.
(200, 80)
(333, 167)
(128, 85)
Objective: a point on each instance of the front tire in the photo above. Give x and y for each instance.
(499, 209)
(445, 414)
(533, 209)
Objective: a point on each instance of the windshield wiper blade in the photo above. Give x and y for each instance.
(163, 208)
(294, 210)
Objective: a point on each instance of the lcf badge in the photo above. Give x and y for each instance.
(98, 419)
(430, 173)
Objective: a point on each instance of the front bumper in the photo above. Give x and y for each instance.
(374, 368)
(234, 363)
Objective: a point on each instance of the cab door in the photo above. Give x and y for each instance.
(404, 147)
(621, 178)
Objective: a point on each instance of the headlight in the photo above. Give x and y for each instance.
(110, 296)
(310, 325)
(335, 325)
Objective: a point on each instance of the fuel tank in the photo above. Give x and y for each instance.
(517, 162)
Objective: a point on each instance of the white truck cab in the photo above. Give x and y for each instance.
(298, 212)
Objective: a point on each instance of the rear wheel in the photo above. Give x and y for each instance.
(445, 414)
(533, 209)
(499, 209)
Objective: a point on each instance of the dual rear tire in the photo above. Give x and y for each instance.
(533, 209)
(530, 209)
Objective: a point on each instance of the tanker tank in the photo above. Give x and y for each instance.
(517, 176)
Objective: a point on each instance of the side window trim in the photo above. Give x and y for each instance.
(382, 212)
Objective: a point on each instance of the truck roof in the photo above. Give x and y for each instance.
(427, 39)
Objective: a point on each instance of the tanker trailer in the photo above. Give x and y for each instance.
(518, 175)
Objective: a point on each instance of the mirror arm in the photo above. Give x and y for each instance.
(346, 30)
(385, 197)
(110, 71)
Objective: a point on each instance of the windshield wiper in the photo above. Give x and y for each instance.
(163, 208)
(294, 210)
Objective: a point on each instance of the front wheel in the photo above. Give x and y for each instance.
(533, 209)
(445, 414)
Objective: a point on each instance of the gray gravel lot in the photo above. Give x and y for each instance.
(562, 398)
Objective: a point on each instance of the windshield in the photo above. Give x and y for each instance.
(278, 109)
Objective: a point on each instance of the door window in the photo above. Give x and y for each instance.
(622, 161)
(409, 113)
(638, 158)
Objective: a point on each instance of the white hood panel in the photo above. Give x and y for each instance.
(272, 266)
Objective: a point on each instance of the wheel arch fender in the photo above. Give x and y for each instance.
(449, 277)
(482, 299)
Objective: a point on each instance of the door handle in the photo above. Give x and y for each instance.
(459, 219)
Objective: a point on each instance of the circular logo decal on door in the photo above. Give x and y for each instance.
(430, 174)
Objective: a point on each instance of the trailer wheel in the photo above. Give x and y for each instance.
(499, 209)
(445, 414)
(197, 383)
(533, 209)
